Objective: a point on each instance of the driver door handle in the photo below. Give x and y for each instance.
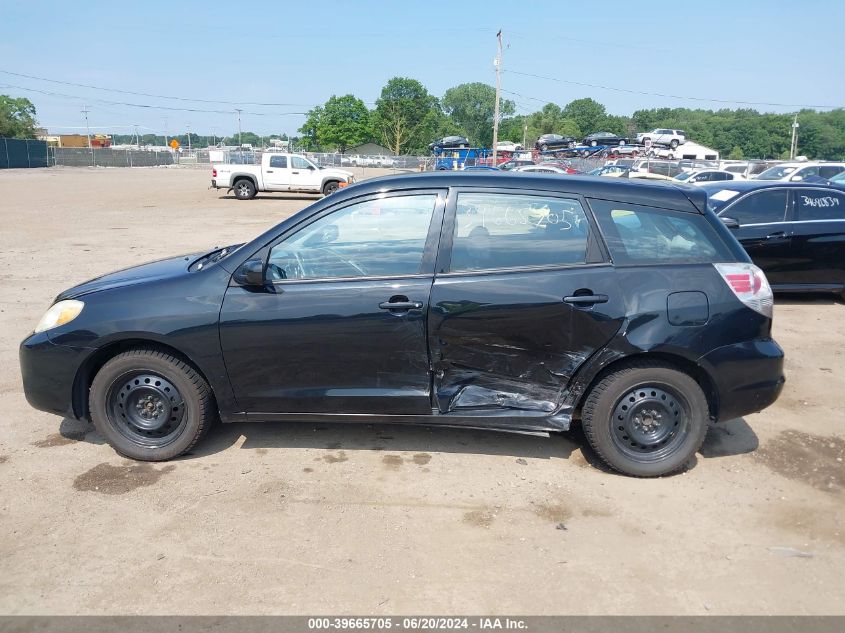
(400, 305)
(776, 235)
(586, 299)
(294, 172)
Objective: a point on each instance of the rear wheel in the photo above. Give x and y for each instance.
(544, 148)
(150, 405)
(646, 419)
(244, 189)
(594, 143)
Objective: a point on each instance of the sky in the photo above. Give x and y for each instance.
(220, 56)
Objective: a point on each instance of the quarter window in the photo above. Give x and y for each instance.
(819, 204)
(643, 235)
(762, 207)
(375, 238)
(510, 231)
(279, 161)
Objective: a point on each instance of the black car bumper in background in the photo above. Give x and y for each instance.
(748, 376)
(48, 372)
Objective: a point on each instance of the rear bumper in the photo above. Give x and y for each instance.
(748, 376)
(48, 371)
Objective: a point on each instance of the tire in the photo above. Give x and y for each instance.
(594, 143)
(330, 187)
(645, 445)
(151, 406)
(673, 143)
(244, 189)
(544, 148)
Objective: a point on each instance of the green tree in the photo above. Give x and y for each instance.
(345, 122)
(308, 140)
(736, 153)
(17, 117)
(589, 115)
(471, 106)
(406, 115)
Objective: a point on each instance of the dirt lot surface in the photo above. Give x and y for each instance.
(304, 519)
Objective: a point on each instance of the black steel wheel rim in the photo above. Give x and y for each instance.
(146, 408)
(650, 422)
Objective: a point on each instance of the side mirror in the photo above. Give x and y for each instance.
(325, 235)
(250, 273)
(311, 167)
(730, 223)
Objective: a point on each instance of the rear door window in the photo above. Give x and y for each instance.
(503, 230)
(643, 235)
(761, 207)
(819, 204)
(829, 171)
(280, 162)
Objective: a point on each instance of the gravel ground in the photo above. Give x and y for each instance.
(370, 519)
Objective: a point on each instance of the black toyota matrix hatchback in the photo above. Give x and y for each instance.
(503, 301)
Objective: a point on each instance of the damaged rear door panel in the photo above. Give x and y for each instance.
(522, 297)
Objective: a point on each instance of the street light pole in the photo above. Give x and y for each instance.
(498, 64)
(793, 146)
(240, 140)
(85, 111)
(189, 137)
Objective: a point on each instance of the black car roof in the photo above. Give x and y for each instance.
(656, 194)
(744, 186)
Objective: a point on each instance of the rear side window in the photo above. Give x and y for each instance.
(762, 207)
(279, 161)
(501, 230)
(644, 235)
(820, 204)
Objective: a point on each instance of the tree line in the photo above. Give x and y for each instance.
(406, 118)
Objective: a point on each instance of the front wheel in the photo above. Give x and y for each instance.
(330, 187)
(594, 143)
(646, 419)
(150, 406)
(674, 143)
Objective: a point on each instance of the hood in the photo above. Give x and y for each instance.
(335, 170)
(152, 271)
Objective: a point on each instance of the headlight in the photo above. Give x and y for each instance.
(59, 314)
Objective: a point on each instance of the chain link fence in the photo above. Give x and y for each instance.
(107, 157)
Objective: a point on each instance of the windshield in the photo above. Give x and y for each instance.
(776, 173)
(684, 175)
(840, 177)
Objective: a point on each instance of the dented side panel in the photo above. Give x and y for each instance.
(508, 341)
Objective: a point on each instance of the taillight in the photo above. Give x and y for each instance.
(214, 172)
(750, 286)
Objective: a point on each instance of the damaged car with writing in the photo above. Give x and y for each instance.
(471, 299)
(794, 231)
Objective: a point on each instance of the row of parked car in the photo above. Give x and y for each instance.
(659, 136)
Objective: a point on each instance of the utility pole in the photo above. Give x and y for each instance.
(85, 111)
(137, 138)
(240, 141)
(793, 146)
(189, 137)
(498, 64)
(524, 136)
(165, 132)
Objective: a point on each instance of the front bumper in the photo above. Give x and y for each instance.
(748, 376)
(48, 372)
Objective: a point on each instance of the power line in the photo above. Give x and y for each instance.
(670, 96)
(155, 96)
(146, 105)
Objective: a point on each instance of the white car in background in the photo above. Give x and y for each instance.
(383, 161)
(508, 146)
(663, 136)
(796, 172)
(706, 175)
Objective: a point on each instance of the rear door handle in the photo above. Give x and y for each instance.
(294, 172)
(400, 305)
(269, 171)
(776, 235)
(586, 299)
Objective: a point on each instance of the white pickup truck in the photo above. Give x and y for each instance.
(278, 172)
